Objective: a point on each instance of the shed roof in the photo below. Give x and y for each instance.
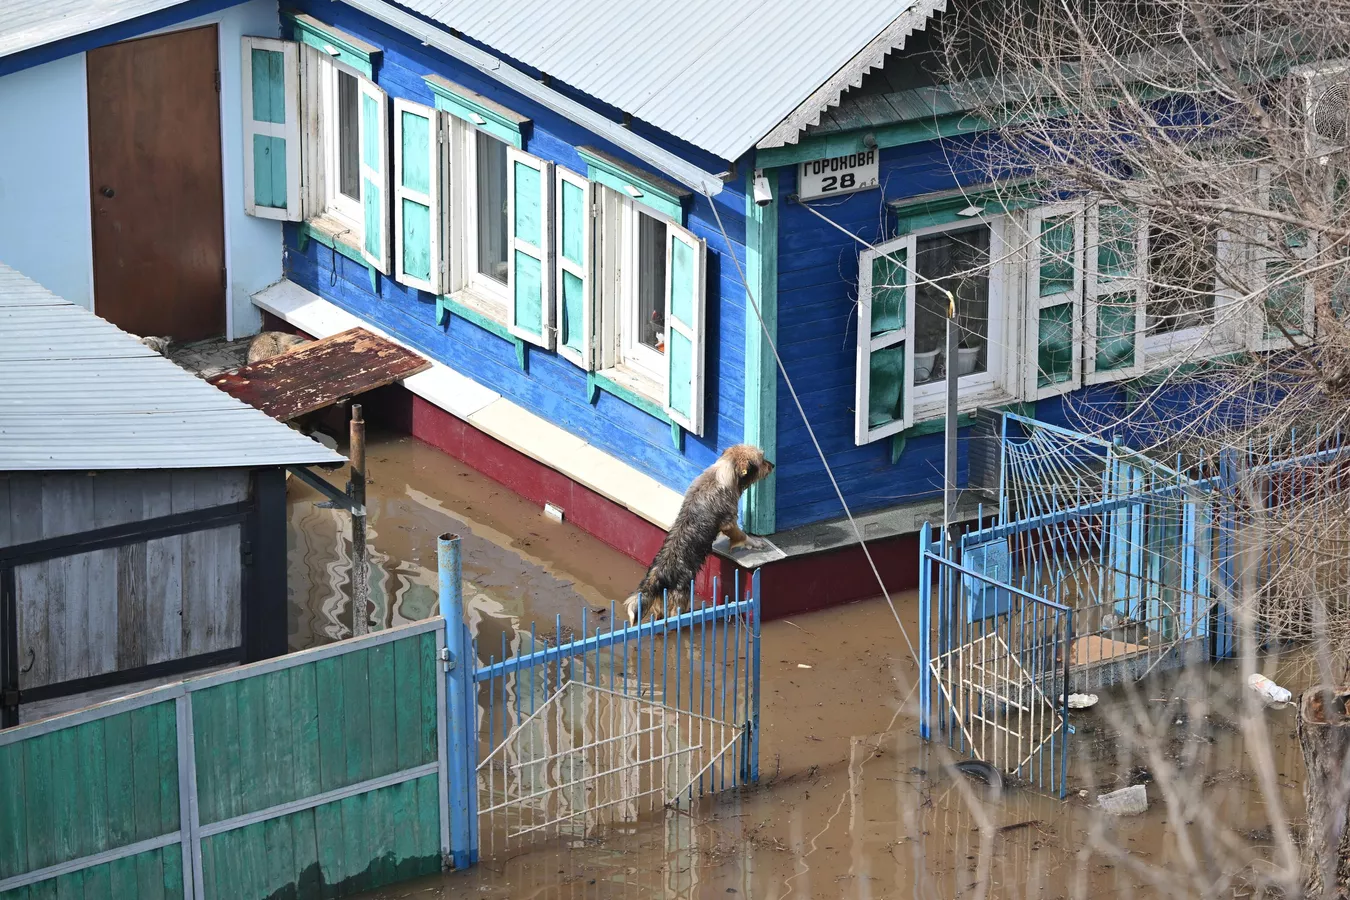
(724, 75)
(25, 24)
(77, 392)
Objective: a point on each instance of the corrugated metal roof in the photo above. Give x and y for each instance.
(25, 24)
(721, 74)
(77, 392)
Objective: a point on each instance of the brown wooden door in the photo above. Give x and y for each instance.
(154, 163)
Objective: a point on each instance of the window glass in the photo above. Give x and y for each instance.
(491, 190)
(1182, 260)
(959, 262)
(651, 287)
(349, 169)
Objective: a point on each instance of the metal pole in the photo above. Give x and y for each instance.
(949, 465)
(458, 668)
(357, 489)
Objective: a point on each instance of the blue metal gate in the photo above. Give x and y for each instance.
(565, 736)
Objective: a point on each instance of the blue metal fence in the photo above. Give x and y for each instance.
(561, 737)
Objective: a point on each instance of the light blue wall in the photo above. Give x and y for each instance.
(44, 173)
(44, 177)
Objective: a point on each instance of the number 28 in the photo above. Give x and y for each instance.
(839, 182)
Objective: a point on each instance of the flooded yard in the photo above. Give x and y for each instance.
(851, 801)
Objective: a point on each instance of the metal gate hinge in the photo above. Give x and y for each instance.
(447, 659)
(9, 697)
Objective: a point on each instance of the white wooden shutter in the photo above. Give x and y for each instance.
(686, 267)
(573, 226)
(529, 275)
(1272, 265)
(883, 400)
(419, 151)
(374, 141)
(1055, 300)
(1115, 293)
(271, 98)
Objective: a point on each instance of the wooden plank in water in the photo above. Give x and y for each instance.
(313, 376)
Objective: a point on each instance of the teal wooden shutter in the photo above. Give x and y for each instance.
(419, 149)
(1275, 266)
(1115, 293)
(529, 273)
(271, 96)
(573, 227)
(685, 267)
(883, 401)
(1055, 294)
(374, 145)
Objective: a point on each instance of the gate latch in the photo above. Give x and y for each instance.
(9, 697)
(447, 659)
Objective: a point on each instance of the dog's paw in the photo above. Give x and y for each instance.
(751, 543)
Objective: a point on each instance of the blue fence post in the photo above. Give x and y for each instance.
(751, 774)
(925, 623)
(1228, 587)
(463, 735)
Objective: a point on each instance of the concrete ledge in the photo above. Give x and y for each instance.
(490, 412)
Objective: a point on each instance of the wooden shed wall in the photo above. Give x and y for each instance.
(91, 613)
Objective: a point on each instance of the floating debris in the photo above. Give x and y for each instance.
(1130, 801)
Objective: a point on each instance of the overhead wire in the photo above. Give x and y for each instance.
(787, 379)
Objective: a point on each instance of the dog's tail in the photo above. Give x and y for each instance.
(634, 607)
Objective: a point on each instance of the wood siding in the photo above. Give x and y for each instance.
(553, 387)
(117, 608)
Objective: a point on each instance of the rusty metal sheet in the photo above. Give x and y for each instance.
(320, 374)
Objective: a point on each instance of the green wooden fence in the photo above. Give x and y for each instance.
(318, 774)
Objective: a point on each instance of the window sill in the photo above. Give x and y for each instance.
(341, 238)
(483, 312)
(636, 390)
(934, 408)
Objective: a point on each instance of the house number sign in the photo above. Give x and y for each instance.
(837, 175)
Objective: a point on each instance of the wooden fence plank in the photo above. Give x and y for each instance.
(356, 718)
(304, 839)
(304, 691)
(208, 852)
(123, 877)
(172, 856)
(407, 704)
(98, 883)
(91, 775)
(166, 722)
(332, 750)
(328, 835)
(279, 843)
(70, 886)
(278, 753)
(426, 692)
(382, 694)
(145, 772)
(117, 751)
(254, 782)
(37, 803)
(150, 875)
(13, 830)
(428, 818)
(353, 841)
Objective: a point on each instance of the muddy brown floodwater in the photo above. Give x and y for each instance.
(851, 801)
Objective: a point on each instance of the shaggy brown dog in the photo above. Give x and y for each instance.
(709, 509)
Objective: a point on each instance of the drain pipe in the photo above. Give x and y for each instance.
(663, 160)
(459, 737)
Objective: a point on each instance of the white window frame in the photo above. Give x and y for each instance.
(337, 205)
(999, 382)
(494, 296)
(867, 344)
(1259, 259)
(1097, 284)
(622, 357)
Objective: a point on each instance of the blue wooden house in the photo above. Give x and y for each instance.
(604, 244)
